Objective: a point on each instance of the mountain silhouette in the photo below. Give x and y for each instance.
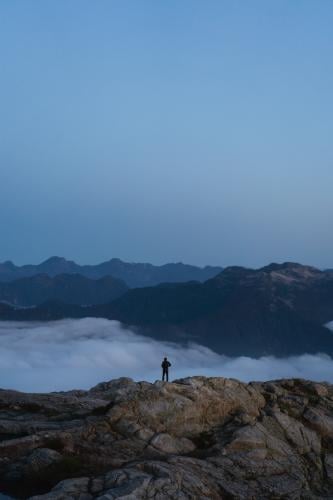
(276, 310)
(69, 288)
(134, 274)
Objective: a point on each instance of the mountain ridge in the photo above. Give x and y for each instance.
(69, 288)
(277, 310)
(134, 274)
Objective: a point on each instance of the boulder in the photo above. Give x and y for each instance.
(40, 459)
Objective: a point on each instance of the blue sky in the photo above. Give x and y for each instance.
(166, 131)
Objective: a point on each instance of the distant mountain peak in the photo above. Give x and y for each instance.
(292, 271)
(132, 273)
(8, 264)
(56, 260)
(286, 273)
(286, 266)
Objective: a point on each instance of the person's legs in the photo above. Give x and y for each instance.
(167, 375)
(163, 375)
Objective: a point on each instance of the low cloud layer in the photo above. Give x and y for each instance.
(72, 354)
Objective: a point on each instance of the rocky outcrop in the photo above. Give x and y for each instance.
(193, 438)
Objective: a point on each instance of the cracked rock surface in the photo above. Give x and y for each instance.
(194, 438)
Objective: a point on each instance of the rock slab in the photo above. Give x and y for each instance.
(197, 438)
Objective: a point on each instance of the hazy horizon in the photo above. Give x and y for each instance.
(166, 131)
(92, 263)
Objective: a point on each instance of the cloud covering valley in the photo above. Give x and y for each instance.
(78, 354)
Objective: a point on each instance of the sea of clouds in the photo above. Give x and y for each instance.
(70, 354)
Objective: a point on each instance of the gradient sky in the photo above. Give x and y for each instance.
(179, 130)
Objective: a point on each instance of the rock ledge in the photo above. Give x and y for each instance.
(194, 438)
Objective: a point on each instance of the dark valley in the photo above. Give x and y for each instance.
(278, 310)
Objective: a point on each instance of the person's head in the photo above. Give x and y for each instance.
(165, 359)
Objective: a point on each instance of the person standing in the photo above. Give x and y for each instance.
(165, 369)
